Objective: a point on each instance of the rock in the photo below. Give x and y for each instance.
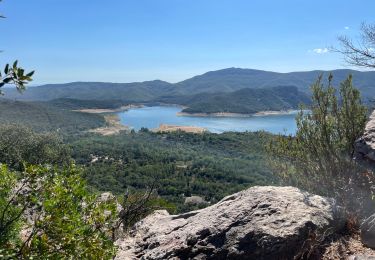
(365, 146)
(195, 200)
(368, 232)
(361, 257)
(108, 197)
(258, 223)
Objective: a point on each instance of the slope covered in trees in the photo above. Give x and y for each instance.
(42, 116)
(182, 164)
(244, 101)
(226, 80)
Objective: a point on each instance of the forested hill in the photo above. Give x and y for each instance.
(233, 79)
(243, 101)
(226, 80)
(229, 90)
(134, 92)
(48, 116)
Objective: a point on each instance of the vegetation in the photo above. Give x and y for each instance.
(244, 101)
(320, 157)
(215, 82)
(207, 165)
(43, 116)
(16, 76)
(363, 54)
(20, 145)
(58, 217)
(13, 74)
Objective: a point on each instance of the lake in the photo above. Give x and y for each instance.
(152, 117)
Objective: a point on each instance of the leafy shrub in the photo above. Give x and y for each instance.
(58, 217)
(19, 145)
(320, 157)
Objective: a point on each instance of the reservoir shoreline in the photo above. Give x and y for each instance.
(229, 114)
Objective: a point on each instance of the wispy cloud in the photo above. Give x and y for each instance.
(320, 50)
(346, 27)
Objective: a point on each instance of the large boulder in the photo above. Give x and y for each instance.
(368, 232)
(365, 146)
(258, 223)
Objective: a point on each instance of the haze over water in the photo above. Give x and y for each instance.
(152, 117)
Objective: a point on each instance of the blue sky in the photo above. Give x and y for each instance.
(138, 40)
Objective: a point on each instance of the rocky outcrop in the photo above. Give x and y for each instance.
(258, 223)
(365, 146)
(368, 231)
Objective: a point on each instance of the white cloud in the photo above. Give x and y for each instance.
(346, 27)
(320, 50)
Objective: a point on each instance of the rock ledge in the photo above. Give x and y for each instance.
(258, 223)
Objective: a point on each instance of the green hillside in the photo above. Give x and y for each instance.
(133, 92)
(244, 100)
(42, 116)
(226, 80)
(233, 79)
(229, 90)
(182, 164)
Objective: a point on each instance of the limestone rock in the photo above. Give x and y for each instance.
(365, 146)
(368, 232)
(195, 200)
(258, 223)
(361, 257)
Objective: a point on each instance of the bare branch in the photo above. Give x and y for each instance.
(361, 54)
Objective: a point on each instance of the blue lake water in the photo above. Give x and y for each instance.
(152, 117)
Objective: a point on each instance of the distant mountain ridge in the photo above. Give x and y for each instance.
(202, 92)
(232, 79)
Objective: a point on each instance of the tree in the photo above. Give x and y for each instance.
(19, 145)
(55, 214)
(362, 53)
(319, 158)
(14, 75)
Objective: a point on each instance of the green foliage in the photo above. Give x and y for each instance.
(19, 145)
(43, 116)
(320, 157)
(9, 214)
(227, 82)
(184, 164)
(73, 223)
(16, 76)
(244, 101)
(60, 219)
(136, 206)
(75, 104)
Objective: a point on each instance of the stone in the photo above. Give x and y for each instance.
(368, 232)
(361, 257)
(365, 146)
(195, 200)
(258, 223)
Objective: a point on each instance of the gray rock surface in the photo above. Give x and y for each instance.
(365, 146)
(361, 257)
(258, 223)
(368, 232)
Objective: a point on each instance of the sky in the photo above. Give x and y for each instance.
(172, 40)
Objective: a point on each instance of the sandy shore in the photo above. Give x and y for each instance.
(271, 113)
(100, 111)
(173, 128)
(226, 114)
(113, 127)
(220, 114)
